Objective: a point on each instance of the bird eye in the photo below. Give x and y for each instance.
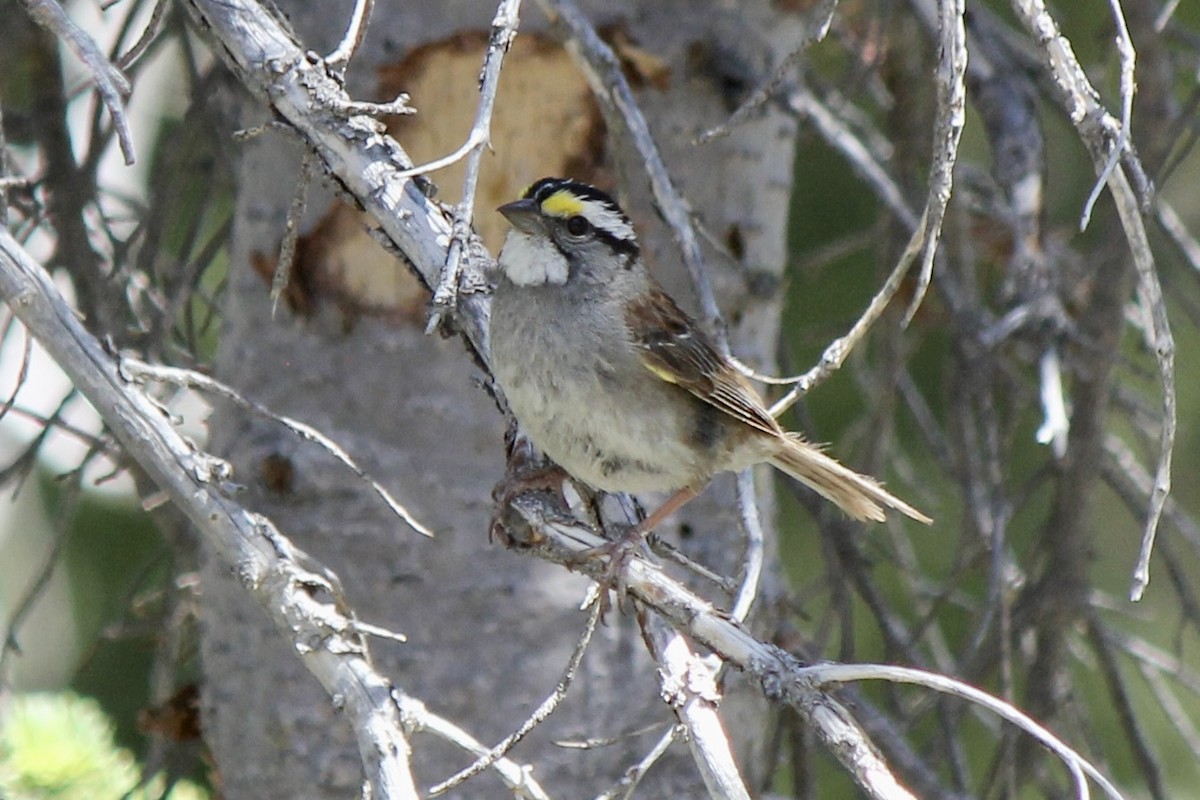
(578, 226)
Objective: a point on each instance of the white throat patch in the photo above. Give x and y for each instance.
(532, 262)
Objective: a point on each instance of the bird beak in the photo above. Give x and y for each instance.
(524, 215)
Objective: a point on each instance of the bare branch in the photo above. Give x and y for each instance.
(1128, 87)
(517, 777)
(689, 685)
(1180, 235)
(628, 784)
(1097, 129)
(553, 538)
(752, 561)
(22, 371)
(926, 230)
(266, 563)
(864, 159)
(947, 130)
(781, 676)
(149, 33)
(825, 675)
(352, 144)
(839, 349)
(291, 230)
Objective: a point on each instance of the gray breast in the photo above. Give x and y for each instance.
(583, 397)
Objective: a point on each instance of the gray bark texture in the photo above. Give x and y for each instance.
(489, 630)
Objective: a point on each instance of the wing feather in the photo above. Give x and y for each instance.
(673, 347)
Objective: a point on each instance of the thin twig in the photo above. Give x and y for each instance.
(504, 32)
(24, 602)
(103, 444)
(1133, 483)
(836, 353)
(539, 715)
(1177, 230)
(137, 371)
(863, 159)
(752, 560)
(828, 675)
(820, 19)
(1172, 708)
(628, 784)
(291, 230)
(22, 373)
(111, 84)
(1126, 709)
(664, 549)
(947, 130)
(519, 778)
(149, 34)
(339, 59)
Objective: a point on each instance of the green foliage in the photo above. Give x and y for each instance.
(61, 746)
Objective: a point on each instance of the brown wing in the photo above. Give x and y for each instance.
(674, 348)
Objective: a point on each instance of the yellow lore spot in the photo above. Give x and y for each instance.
(562, 204)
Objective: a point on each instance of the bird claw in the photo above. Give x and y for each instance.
(618, 553)
(513, 485)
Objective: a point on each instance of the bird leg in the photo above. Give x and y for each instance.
(673, 504)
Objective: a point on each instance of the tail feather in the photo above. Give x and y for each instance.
(861, 497)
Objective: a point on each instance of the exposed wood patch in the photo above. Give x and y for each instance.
(546, 123)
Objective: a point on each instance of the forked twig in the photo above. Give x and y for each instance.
(1128, 58)
(339, 59)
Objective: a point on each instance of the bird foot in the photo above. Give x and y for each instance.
(513, 485)
(617, 554)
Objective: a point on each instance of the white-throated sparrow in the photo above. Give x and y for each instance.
(614, 382)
